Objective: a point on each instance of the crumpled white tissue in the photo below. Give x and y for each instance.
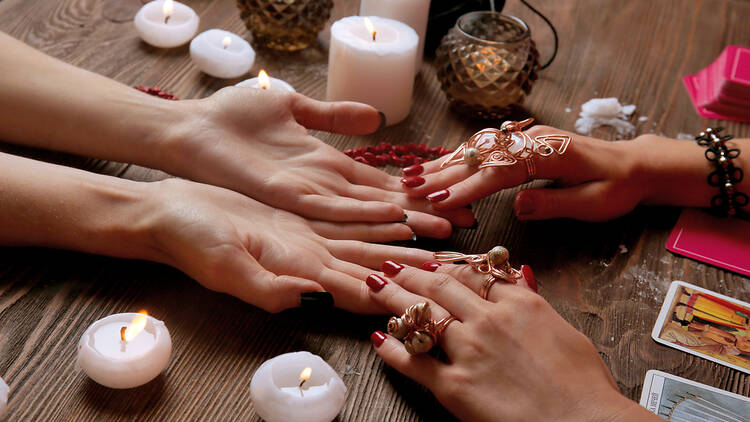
(598, 112)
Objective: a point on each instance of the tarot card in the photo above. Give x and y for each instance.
(678, 399)
(706, 324)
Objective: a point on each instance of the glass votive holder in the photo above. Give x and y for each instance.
(487, 64)
(285, 25)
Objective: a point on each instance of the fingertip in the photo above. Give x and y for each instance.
(528, 276)
(378, 338)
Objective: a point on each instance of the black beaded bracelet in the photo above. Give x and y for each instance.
(729, 201)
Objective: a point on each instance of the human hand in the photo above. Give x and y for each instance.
(268, 257)
(596, 180)
(509, 358)
(256, 143)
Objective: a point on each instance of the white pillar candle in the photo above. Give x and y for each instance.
(166, 24)
(263, 81)
(3, 396)
(411, 12)
(221, 54)
(124, 358)
(278, 397)
(380, 72)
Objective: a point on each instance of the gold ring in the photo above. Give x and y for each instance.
(494, 263)
(416, 327)
(507, 146)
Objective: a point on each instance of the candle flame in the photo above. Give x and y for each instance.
(304, 375)
(167, 8)
(370, 27)
(136, 326)
(264, 82)
(226, 41)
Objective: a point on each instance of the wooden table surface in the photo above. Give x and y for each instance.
(608, 280)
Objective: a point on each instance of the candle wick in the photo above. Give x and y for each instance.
(122, 333)
(373, 35)
(166, 19)
(300, 384)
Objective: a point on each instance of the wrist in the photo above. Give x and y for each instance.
(617, 408)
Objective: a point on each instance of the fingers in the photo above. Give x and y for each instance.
(247, 280)
(344, 209)
(344, 117)
(349, 293)
(395, 300)
(475, 280)
(366, 175)
(372, 256)
(456, 298)
(365, 232)
(423, 368)
(483, 183)
(421, 186)
(588, 202)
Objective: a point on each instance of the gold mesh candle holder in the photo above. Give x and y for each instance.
(487, 64)
(285, 25)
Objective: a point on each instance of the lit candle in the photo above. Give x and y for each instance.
(221, 54)
(263, 81)
(411, 12)
(166, 23)
(3, 396)
(298, 387)
(124, 350)
(374, 66)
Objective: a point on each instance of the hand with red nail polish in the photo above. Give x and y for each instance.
(391, 268)
(412, 181)
(414, 170)
(511, 358)
(430, 266)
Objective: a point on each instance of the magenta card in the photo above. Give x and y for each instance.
(723, 242)
(693, 87)
(737, 68)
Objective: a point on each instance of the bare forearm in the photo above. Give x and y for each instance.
(676, 171)
(49, 104)
(49, 205)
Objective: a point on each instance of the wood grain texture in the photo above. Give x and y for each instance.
(634, 50)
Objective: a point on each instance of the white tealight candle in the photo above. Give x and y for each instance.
(298, 387)
(263, 81)
(166, 23)
(3, 396)
(374, 66)
(221, 54)
(124, 350)
(411, 12)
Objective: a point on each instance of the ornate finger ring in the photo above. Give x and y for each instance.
(416, 327)
(494, 263)
(507, 146)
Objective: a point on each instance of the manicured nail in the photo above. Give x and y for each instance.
(413, 237)
(317, 300)
(375, 282)
(378, 338)
(438, 196)
(523, 205)
(414, 170)
(529, 276)
(430, 266)
(391, 268)
(382, 120)
(413, 182)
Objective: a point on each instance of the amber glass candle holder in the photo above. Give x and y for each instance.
(286, 25)
(487, 64)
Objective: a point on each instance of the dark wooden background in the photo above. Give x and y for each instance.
(608, 280)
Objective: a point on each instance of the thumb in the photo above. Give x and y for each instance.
(343, 117)
(588, 202)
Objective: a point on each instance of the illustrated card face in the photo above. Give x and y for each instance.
(706, 324)
(679, 399)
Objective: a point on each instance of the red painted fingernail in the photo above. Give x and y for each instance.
(391, 268)
(438, 196)
(413, 182)
(529, 276)
(430, 266)
(523, 205)
(377, 338)
(414, 170)
(375, 282)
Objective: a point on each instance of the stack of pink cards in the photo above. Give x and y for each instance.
(722, 90)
